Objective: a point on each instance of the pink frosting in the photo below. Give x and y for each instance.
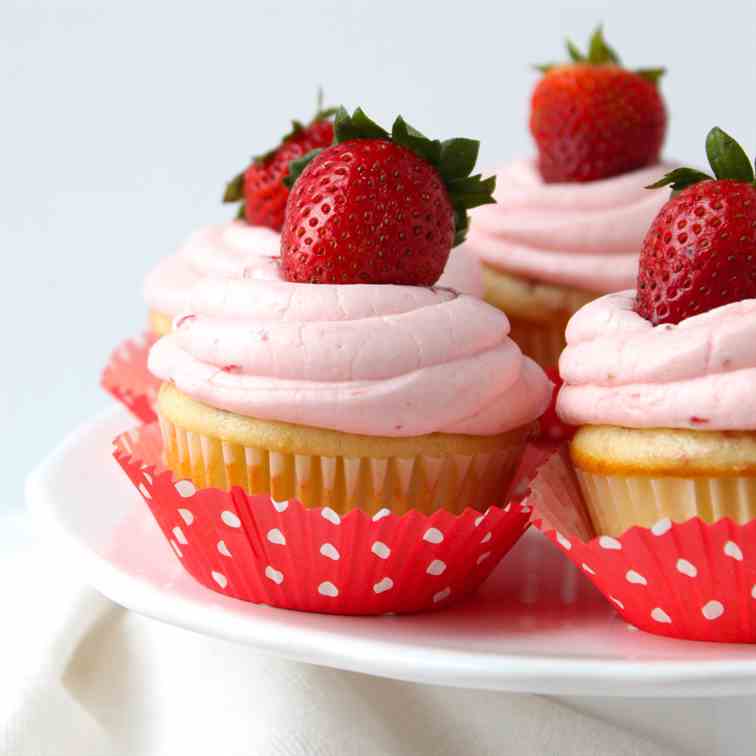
(583, 235)
(369, 359)
(620, 370)
(235, 250)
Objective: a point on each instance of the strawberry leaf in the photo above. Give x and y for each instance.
(458, 157)
(680, 178)
(651, 74)
(727, 158)
(428, 149)
(599, 52)
(356, 126)
(235, 189)
(298, 165)
(574, 52)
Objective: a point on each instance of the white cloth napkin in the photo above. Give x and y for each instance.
(80, 676)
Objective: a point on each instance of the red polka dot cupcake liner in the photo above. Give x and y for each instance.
(690, 580)
(127, 379)
(286, 555)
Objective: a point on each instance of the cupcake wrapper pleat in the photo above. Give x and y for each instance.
(127, 379)
(420, 483)
(265, 549)
(615, 502)
(690, 579)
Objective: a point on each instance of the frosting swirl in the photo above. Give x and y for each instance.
(587, 235)
(619, 369)
(237, 250)
(372, 359)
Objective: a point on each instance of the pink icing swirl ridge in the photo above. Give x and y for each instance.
(236, 251)
(368, 359)
(619, 369)
(583, 235)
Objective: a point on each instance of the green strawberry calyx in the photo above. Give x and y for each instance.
(454, 159)
(601, 54)
(728, 160)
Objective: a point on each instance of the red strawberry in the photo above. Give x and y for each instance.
(378, 207)
(260, 187)
(700, 251)
(592, 119)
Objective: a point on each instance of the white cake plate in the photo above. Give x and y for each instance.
(537, 625)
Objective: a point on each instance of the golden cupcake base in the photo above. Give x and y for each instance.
(641, 476)
(322, 467)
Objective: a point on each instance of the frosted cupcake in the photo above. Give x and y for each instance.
(568, 224)
(338, 373)
(662, 380)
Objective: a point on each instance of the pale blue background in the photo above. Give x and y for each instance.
(120, 122)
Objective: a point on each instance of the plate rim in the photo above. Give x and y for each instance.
(474, 670)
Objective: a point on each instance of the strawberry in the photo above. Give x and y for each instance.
(700, 251)
(592, 118)
(260, 187)
(378, 207)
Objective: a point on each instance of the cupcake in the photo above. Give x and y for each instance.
(568, 223)
(338, 373)
(232, 250)
(338, 432)
(661, 379)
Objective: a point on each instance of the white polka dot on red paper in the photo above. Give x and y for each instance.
(381, 513)
(635, 577)
(587, 568)
(179, 535)
(275, 575)
(231, 519)
(185, 488)
(280, 506)
(176, 548)
(143, 490)
(609, 543)
(732, 550)
(329, 551)
(684, 567)
(274, 535)
(219, 578)
(659, 615)
(223, 549)
(486, 538)
(483, 556)
(617, 602)
(712, 610)
(381, 550)
(328, 514)
(436, 567)
(441, 595)
(433, 535)
(661, 527)
(562, 541)
(383, 585)
(328, 589)
(186, 515)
